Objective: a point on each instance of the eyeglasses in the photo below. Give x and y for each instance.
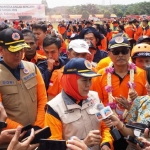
(123, 51)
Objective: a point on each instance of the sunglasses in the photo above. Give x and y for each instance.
(123, 51)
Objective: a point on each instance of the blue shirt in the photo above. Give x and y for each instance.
(47, 74)
(99, 55)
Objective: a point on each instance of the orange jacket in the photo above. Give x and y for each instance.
(138, 32)
(130, 30)
(103, 63)
(103, 45)
(36, 58)
(41, 101)
(40, 51)
(62, 29)
(109, 35)
(99, 83)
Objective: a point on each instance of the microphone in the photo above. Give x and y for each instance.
(104, 113)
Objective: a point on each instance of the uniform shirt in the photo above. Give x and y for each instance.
(99, 55)
(46, 73)
(103, 63)
(36, 59)
(120, 86)
(41, 96)
(40, 51)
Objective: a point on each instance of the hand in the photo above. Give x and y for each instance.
(133, 95)
(50, 63)
(16, 145)
(146, 133)
(147, 86)
(6, 136)
(112, 121)
(105, 147)
(93, 138)
(3, 115)
(123, 102)
(76, 144)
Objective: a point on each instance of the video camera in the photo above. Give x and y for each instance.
(138, 126)
(138, 129)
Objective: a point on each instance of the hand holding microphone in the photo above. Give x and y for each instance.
(104, 114)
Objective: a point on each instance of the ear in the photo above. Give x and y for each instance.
(109, 53)
(1, 51)
(68, 54)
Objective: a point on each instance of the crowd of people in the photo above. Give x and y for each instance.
(58, 78)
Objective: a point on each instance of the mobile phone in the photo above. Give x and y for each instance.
(139, 126)
(134, 140)
(40, 134)
(26, 128)
(52, 144)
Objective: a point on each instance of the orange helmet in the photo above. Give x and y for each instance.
(140, 50)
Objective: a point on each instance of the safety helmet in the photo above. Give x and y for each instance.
(140, 50)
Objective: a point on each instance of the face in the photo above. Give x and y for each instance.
(72, 54)
(84, 85)
(12, 59)
(122, 57)
(142, 62)
(32, 43)
(144, 24)
(52, 52)
(90, 57)
(91, 37)
(40, 35)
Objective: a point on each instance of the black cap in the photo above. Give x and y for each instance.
(13, 39)
(81, 67)
(142, 38)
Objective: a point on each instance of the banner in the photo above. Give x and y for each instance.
(16, 11)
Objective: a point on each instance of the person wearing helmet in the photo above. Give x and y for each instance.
(141, 55)
(143, 39)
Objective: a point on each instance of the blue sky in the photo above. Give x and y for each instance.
(54, 3)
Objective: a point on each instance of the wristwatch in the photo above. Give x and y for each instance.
(3, 125)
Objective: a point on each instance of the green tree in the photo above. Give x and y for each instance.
(107, 14)
(119, 13)
(85, 15)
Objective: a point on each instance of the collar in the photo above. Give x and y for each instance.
(20, 66)
(71, 103)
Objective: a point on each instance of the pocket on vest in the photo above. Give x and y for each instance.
(70, 116)
(9, 96)
(31, 86)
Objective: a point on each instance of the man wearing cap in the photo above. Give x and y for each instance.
(72, 112)
(77, 49)
(97, 39)
(121, 81)
(22, 90)
(144, 39)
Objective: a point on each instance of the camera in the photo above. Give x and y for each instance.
(134, 140)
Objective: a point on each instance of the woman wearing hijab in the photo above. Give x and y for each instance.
(72, 112)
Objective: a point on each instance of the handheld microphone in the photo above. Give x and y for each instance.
(104, 113)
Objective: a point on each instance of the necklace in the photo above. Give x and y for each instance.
(109, 89)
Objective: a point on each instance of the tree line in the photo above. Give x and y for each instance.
(142, 8)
